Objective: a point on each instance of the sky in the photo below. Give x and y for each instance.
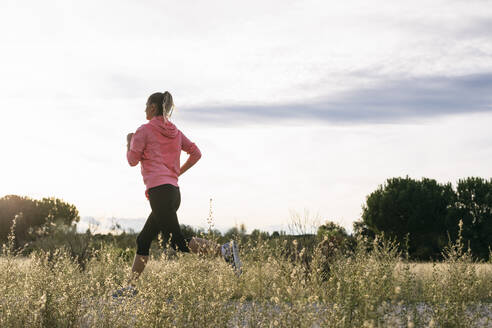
(299, 108)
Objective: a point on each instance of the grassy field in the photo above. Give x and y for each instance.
(368, 288)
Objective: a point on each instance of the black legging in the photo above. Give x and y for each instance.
(164, 201)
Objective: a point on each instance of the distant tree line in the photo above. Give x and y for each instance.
(422, 216)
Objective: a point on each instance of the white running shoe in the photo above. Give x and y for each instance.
(230, 253)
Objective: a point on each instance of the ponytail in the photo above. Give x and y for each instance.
(167, 103)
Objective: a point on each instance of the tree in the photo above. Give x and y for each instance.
(59, 211)
(330, 228)
(332, 236)
(422, 209)
(34, 214)
(474, 206)
(258, 234)
(188, 231)
(27, 215)
(232, 233)
(333, 239)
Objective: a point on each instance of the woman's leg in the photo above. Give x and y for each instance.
(144, 239)
(170, 224)
(138, 266)
(165, 201)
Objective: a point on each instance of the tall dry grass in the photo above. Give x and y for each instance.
(373, 286)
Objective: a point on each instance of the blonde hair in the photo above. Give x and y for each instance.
(164, 102)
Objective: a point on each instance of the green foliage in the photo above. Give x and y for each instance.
(331, 230)
(474, 206)
(60, 236)
(258, 234)
(334, 241)
(362, 230)
(237, 233)
(36, 214)
(419, 208)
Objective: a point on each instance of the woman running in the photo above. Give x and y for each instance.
(157, 146)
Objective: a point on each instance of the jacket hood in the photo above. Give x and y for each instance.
(164, 126)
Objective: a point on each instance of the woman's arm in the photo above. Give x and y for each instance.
(135, 146)
(192, 150)
(188, 164)
(128, 140)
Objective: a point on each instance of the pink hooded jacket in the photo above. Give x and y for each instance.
(157, 146)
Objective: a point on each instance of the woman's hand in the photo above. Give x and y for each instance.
(129, 137)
